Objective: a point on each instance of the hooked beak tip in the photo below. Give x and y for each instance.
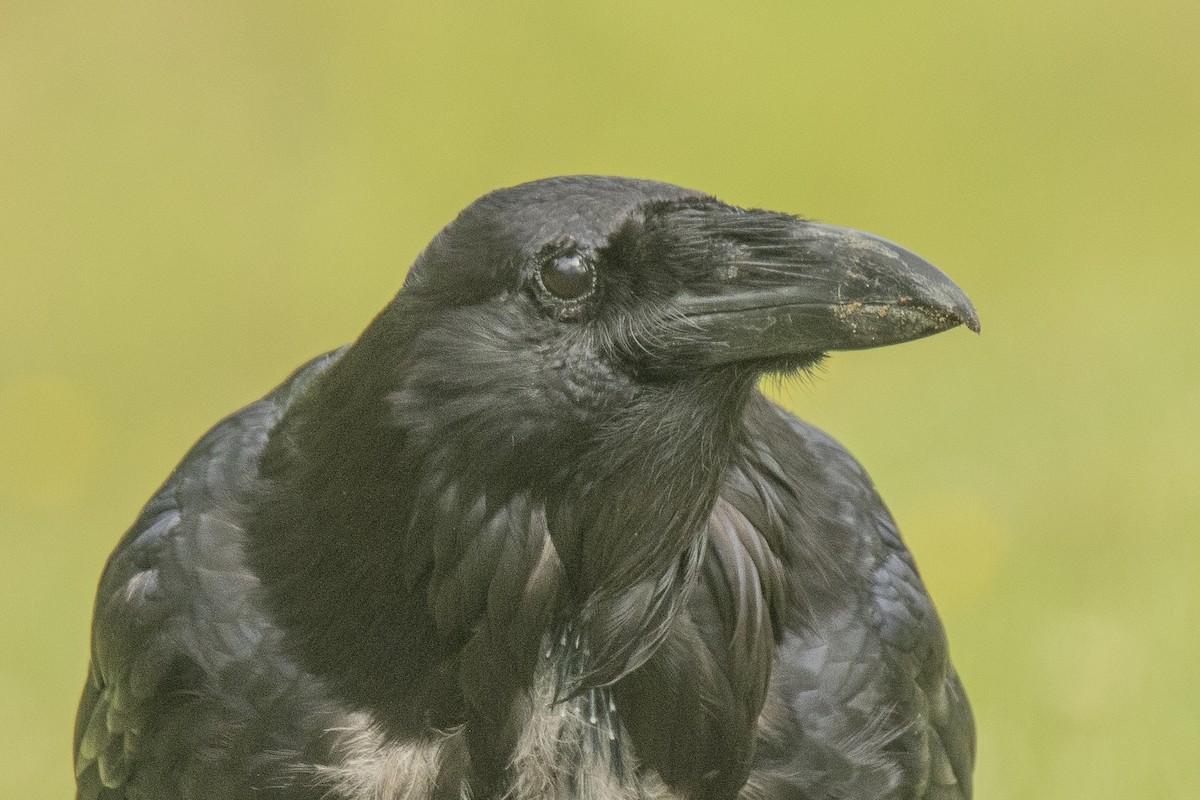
(968, 316)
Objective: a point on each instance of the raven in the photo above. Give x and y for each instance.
(536, 534)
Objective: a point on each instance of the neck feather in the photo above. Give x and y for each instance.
(423, 585)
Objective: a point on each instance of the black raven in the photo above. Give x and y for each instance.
(535, 534)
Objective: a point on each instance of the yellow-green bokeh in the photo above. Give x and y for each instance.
(196, 197)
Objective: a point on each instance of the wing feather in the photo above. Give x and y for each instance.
(174, 614)
(863, 700)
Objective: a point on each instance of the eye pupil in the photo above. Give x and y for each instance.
(567, 277)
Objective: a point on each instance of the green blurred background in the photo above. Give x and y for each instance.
(196, 197)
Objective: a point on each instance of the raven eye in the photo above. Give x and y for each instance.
(568, 277)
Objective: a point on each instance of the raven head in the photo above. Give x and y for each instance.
(547, 310)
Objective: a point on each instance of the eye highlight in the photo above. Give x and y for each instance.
(568, 277)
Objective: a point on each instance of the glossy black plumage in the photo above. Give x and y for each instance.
(539, 537)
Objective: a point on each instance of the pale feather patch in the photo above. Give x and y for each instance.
(567, 750)
(369, 767)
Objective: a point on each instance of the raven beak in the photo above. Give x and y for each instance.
(807, 288)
